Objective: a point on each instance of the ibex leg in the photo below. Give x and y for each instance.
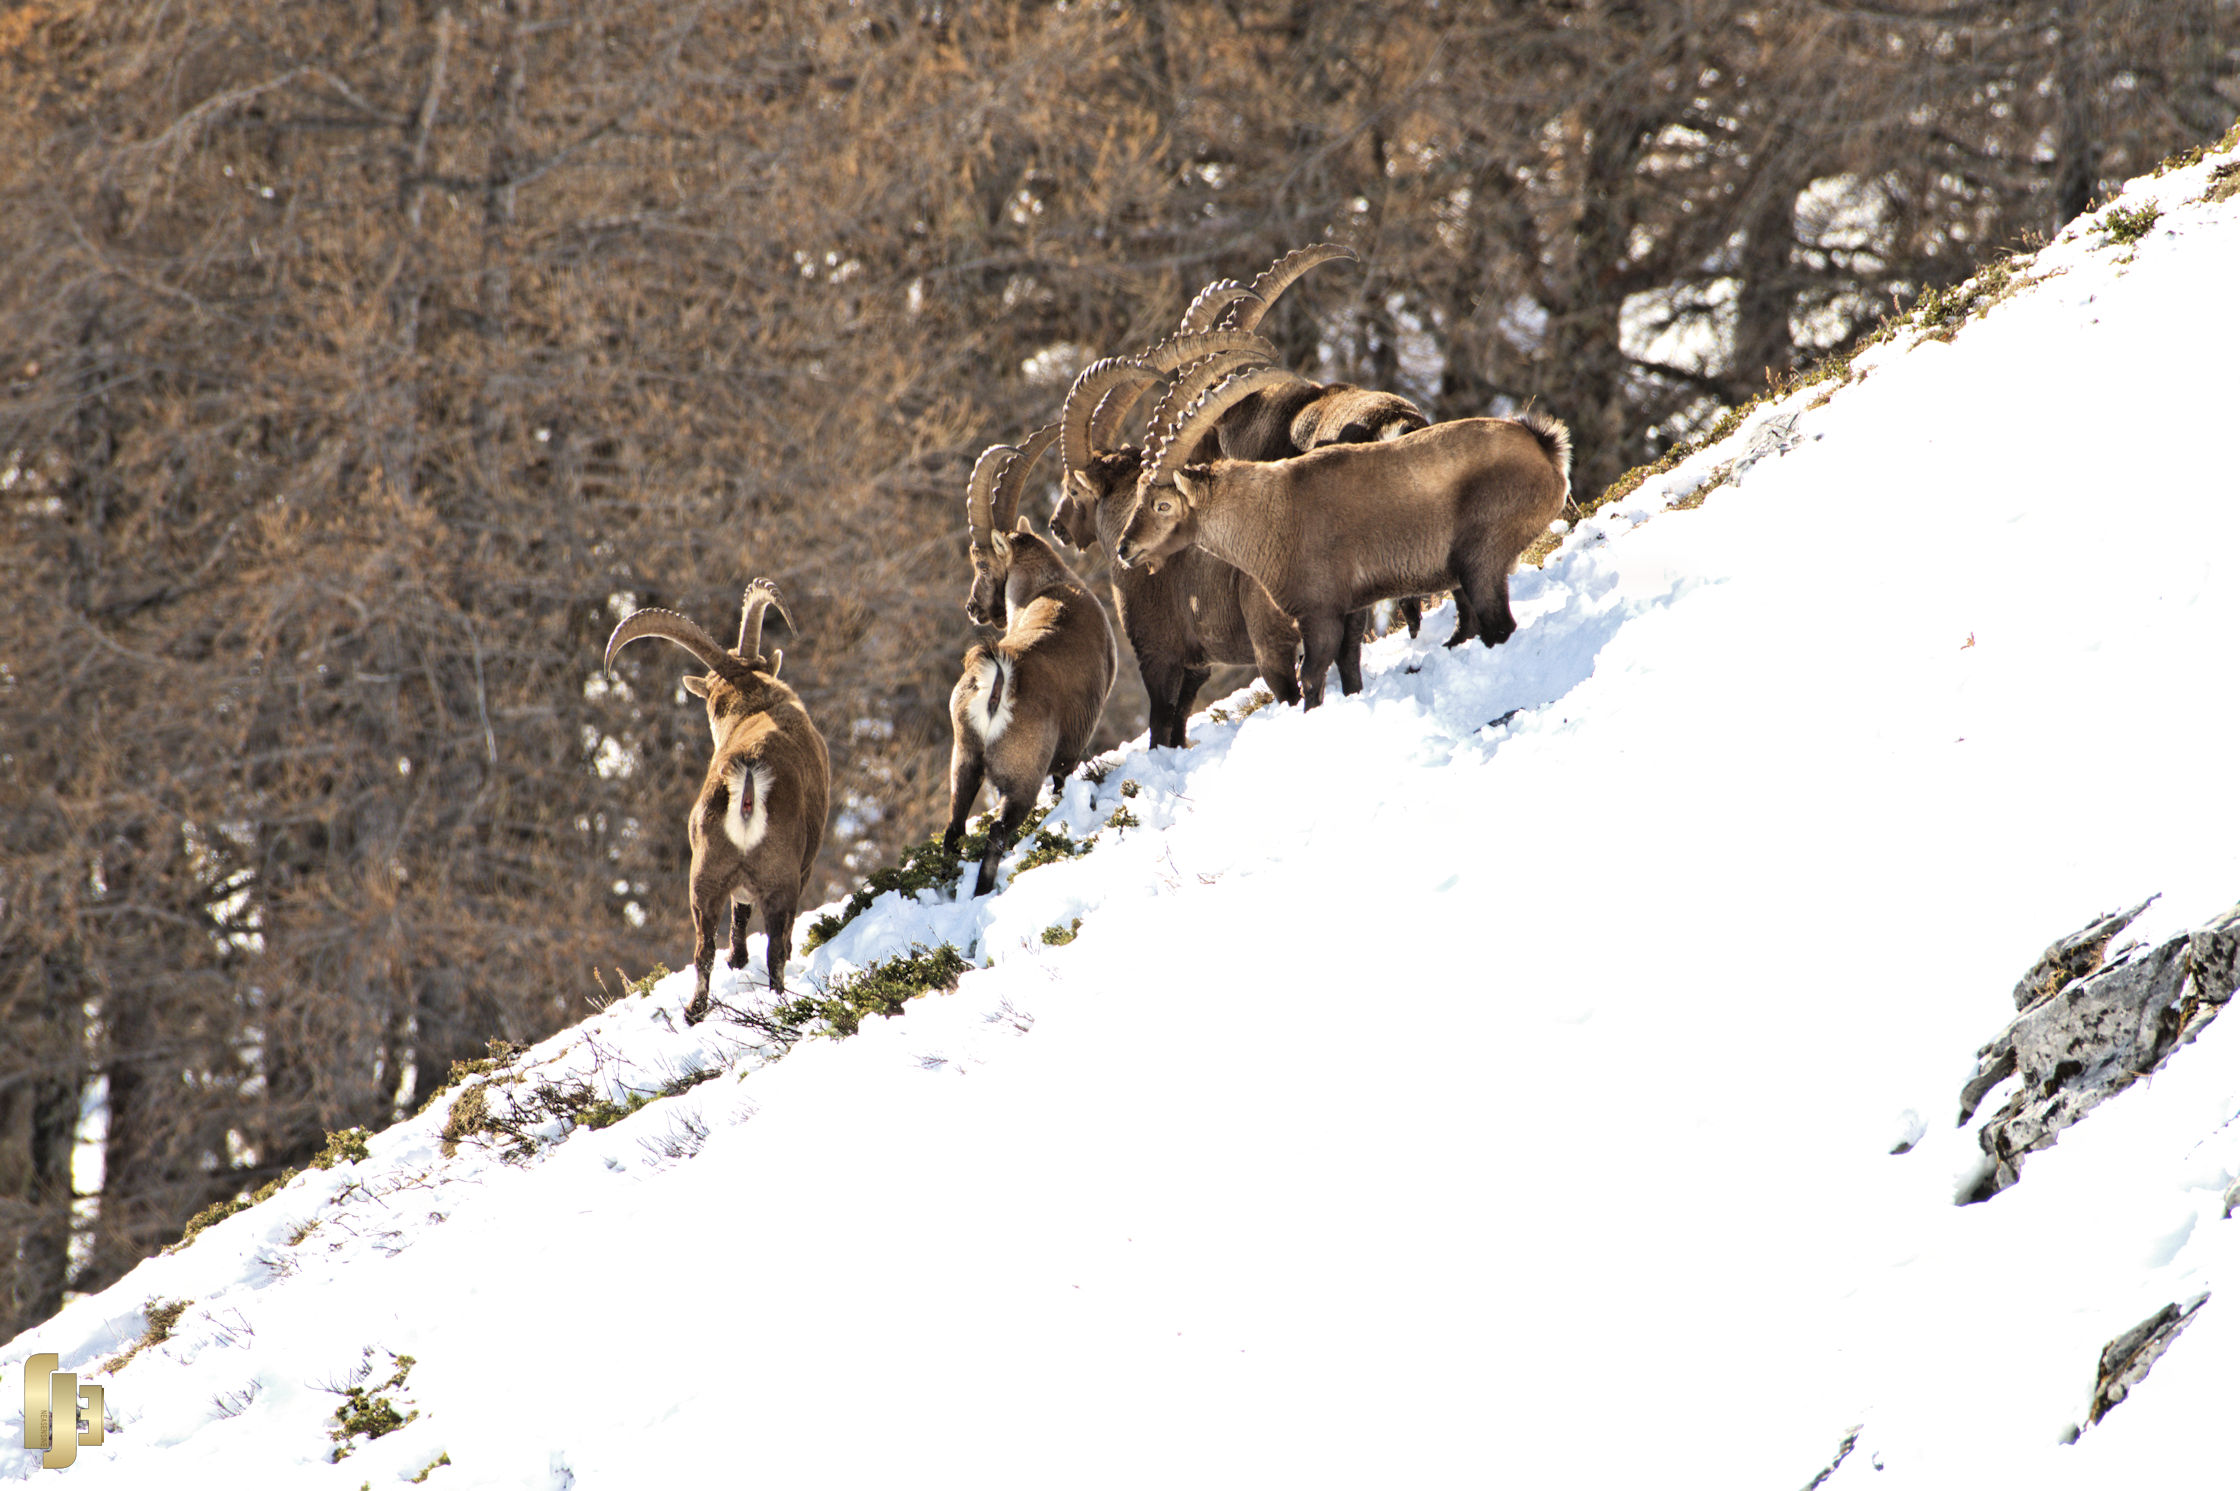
(1465, 619)
(740, 912)
(1489, 605)
(1014, 813)
(1349, 649)
(777, 949)
(1322, 635)
(965, 772)
(707, 922)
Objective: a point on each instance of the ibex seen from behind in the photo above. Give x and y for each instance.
(760, 817)
(1027, 704)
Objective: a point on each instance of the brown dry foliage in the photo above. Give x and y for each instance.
(361, 362)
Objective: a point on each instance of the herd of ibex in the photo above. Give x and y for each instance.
(1260, 520)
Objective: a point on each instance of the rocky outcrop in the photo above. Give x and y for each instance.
(2125, 1361)
(2090, 1028)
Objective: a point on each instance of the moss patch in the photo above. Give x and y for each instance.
(1050, 845)
(502, 1054)
(922, 867)
(365, 1412)
(881, 989)
(1057, 936)
(469, 1116)
(345, 1148)
(2130, 224)
(210, 1216)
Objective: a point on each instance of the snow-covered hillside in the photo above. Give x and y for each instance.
(1488, 1080)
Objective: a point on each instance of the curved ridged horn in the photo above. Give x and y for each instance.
(762, 595)
(1205, 310)
(1083, 398)
(978, 516)
(680, 629)
(1175, 351)
(1011, 482)
(1166, 449)
(1195, 380)
(1104, 422)
(1280, 276)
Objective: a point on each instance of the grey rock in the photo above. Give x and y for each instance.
(2125, 1361)
(2092, 1037)
(2074, 956)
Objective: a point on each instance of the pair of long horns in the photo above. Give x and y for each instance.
(761, 596)
(1104, 393)
(1246, 306)
(1168, 446)
(999, 480)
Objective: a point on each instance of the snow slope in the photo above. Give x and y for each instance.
(1424, 1102)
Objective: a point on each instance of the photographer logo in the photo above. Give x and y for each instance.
(58, 1415)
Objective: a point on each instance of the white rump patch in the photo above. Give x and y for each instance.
(976, 713)
(746, 832)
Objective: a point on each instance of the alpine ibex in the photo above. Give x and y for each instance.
(760, 817)
(1292, 419)
(1183, 622)
(1344, 526)
(1027, 705)
(1197, 612)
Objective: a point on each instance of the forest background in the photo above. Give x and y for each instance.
(361, 363)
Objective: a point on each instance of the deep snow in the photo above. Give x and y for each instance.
(1426, 1103)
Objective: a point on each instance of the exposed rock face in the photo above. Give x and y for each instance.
(2088, 1031)
(2125, 1361)
(2075, 956)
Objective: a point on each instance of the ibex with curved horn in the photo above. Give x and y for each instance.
(1181, 623)
(998, 481)
(1292, 419)
(760, 816)
(1197, 612)
(1344, 526)
(1027, 705)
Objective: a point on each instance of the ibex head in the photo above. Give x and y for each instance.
(1164, 520)
(1097, 466)
(739, 679)
(991, 506)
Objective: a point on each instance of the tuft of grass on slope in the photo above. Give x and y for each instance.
(881, 989)
(162, 1315)
(365, 1411)
(2130, 224)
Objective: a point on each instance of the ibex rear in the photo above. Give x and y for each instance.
(760, 817)
(1028, 704)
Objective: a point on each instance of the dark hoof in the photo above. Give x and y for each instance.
(696, 1011)
(737, 957)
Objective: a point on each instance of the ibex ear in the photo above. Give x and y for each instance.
(696, 683)
(1192, 480)
(1024, 525)
(777, 660)
(1001, 543)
